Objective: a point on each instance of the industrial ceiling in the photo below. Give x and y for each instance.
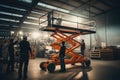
(24, 14)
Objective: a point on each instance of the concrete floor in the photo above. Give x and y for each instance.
(99, 70)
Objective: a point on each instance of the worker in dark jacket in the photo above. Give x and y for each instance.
(24, 57)
(82, 47)
(10, 66)
(62, 55)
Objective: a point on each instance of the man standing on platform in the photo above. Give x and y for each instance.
(10, 66)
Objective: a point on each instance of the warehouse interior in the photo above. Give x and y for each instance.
(95, 21)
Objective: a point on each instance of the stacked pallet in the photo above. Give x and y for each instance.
(95, 54)
(117, 53)
(107, 54)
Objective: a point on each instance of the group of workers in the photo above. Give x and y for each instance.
(24, 56)
(25, 50)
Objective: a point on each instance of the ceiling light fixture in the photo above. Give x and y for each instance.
(11, 14)
(37, 13)
(30, 23)
(27, 1)
(9, 20)
(52, 7)
(10, 7)
(34, 18)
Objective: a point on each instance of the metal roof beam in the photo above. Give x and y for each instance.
(102, 13)
(15, 3)
(11, 10)
(33, 4)
(8, 22)
(7, 28)
(88, 3)
(9, 17)
(105, 3)
(66, 3)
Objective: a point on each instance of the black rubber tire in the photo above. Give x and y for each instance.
(73, 64)
(88, 63)
(51, 67)
(41, 66)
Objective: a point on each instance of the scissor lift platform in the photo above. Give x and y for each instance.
(65, 29)
(59, 33)
(63, 32)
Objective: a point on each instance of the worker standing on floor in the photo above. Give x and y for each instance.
(10, 66)
(62, 55)
(24, 57)
(82, 47)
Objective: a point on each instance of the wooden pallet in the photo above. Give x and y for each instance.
(95, 54)
(107, 54)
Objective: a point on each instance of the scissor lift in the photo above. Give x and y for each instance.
(59, 33)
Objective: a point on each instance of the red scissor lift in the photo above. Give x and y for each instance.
(59, 33)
